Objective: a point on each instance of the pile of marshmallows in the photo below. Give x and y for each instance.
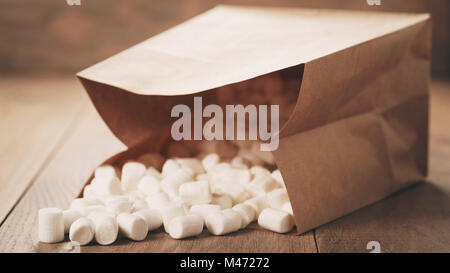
(188, 194)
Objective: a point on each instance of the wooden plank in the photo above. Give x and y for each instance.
(34, 115)
(415, 220)
(243, 241)
(88, 144)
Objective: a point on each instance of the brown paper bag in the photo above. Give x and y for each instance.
(359, 129)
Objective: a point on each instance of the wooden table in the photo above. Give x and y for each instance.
(52, 138)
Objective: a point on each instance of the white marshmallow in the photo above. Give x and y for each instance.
(139, 205)
(106, 227)
(258, 204)
(246, 212)
(171, 183)
(193, 193)
(239, 162)
(88, 192)
(132, 172)
(276, 220)
(261, 185)
(255, 170)
(85, 211)
(287, 207)
(51, 225)
(106, 186)
(154, 172)
(223, 200)
(210, 161)
(185, 226)
(202, 176)
(84, 202)
(169, 166)
(193, 165)
(277, 198)
(132, 226)
(223, 222)
(171, 211)
(118, 206)
(135, 195)
(277, 176)
(158, 200)
(235, 190)
(105, 171)
(222, 173)
(82, 231)
(148, 185)
(70, 216)
(152, 217)
(203, 210)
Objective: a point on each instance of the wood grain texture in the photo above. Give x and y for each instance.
(243, 241)
(34, 116)
(88, 143)
(414, 220)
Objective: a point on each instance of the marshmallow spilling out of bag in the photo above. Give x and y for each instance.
(186, 196)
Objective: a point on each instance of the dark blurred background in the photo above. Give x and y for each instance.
(51, 37)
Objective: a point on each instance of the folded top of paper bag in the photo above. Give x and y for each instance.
(230, 44)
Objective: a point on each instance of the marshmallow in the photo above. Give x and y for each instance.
(258, 204)
(255, 170)
(246, 212)
(223, 222)
(152, 217)
(88, 192)
(276, 220)
(193, 165)
(202, 176)
(210, 161)
(223, 200)
(82, 231)
(148, 185)
(132, 172)
(277, 198)
(109, 185)
(287, 207)
(169, 166)
(185, 226)
(106, 227)
(158, 200)
(85, 211)
(171, 211)
(118, 206)
(277, 176)
(203, 210)
(239, 162)
(235, 190)
(224, 173)
(84, 202)
(51, 225)
(70, 216)
(171, 183)
(139, 205)
(154, 172)
(193, 193)
(261, 185)
(153, 160)
(105, 171)
(132, 226)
